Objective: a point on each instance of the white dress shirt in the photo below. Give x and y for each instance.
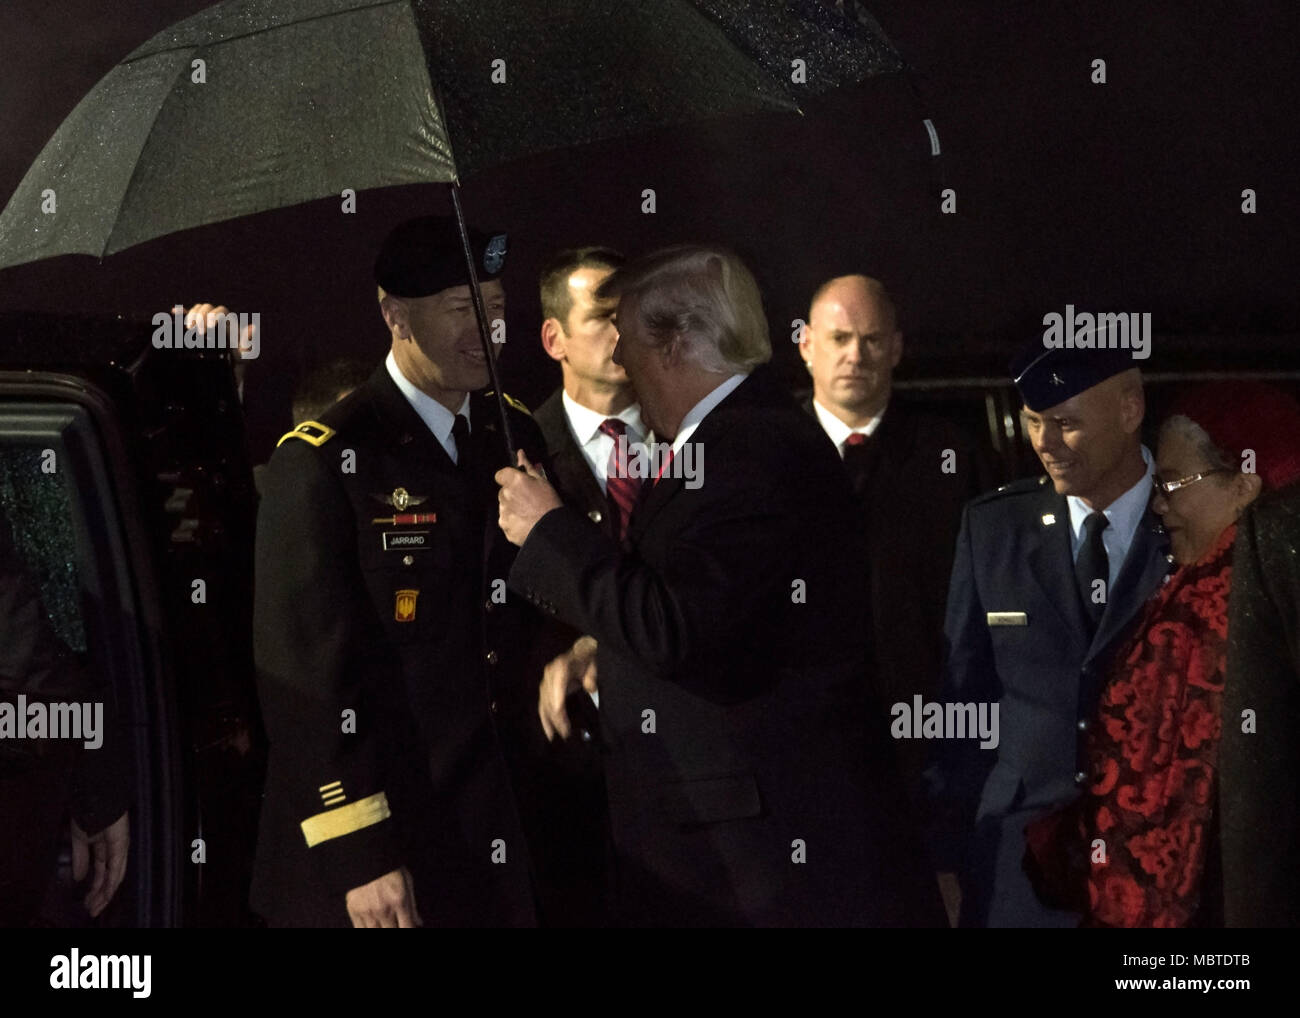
(596, 446)
(436, 417)
(1125, 513)
(697, 413)
(838, 431)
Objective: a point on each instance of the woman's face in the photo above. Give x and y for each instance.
(1197, 514)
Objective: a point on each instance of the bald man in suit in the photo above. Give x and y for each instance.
(912, 472)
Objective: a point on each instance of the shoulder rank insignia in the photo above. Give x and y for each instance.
(512, 401)
(309, 431)
(401, 499)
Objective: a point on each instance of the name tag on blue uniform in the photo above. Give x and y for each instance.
(1007, 618)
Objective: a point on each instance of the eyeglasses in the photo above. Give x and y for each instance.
(1169, 487)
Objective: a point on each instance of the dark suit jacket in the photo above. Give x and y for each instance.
(1013, 556)
(1259, 771)
(911, 514)
(749, 780)
(568, 470)
(418, 776)
(566, 817)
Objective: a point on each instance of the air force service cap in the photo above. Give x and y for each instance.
(423, 256)
(1047, 376)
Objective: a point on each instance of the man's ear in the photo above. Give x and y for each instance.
(397, 316)
(672, 353)
(897, 343)
(1133, 408)
(805, 343)
(553, 339)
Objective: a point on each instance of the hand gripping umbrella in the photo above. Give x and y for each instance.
(253, 105)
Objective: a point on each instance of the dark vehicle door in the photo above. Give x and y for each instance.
(124, 478)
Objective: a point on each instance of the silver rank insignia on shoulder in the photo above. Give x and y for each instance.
(401, 499)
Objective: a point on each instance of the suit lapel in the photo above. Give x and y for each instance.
(571, 466)
(1144, 567)
(570, 472)
(400, 420)
(655, 495)
(896, 433)
(1052, 565)
(716, 424)
(891, 441)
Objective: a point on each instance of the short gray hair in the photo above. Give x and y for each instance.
(704, 296)
(1184, 427)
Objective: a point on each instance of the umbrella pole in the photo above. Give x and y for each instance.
(481, 314)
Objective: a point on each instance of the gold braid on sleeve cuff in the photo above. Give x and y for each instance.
(335, 823)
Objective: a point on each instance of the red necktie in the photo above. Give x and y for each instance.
(622, 487)
(857, 460)
(668, 461)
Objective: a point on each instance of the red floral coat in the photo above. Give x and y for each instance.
(1132, 850)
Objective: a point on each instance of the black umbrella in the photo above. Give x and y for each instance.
(259, 104)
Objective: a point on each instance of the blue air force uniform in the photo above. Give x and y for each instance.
(1017, 633)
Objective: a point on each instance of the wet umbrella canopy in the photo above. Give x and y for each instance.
(259, 104)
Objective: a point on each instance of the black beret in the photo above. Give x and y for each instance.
(423, 256)
(1060, 362)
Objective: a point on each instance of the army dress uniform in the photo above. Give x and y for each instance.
(390, 667)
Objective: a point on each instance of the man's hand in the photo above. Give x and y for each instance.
(109, 849)
(572, 670)
(524, 498)
(387, 903)
(204, 317)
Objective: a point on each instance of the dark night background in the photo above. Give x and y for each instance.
(1124, 196)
